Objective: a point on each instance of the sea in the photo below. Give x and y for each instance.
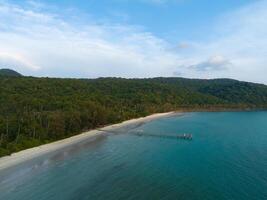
(225, 160)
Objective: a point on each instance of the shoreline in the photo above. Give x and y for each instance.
(29, 154)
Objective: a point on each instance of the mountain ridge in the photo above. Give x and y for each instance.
(9, 72)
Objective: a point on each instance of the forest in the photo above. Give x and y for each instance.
(35, 111)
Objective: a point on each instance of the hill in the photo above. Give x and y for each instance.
(35, 111)
(9, 72)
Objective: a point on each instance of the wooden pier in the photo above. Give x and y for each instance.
(169, 136)
(184, 136)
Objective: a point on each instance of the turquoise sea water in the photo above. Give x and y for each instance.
(227, 159)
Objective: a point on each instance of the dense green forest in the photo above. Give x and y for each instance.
(35, 111)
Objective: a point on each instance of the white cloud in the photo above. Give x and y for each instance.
(239, 37)
(60, 48)
(17, 61)
(214, 63)
(42, 43)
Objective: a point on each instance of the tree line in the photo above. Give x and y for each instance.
(35, 111)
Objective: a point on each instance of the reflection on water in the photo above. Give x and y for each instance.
(30, 167)
(227, 159)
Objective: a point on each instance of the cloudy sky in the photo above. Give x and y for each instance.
(135, 38)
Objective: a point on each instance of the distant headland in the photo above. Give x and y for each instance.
(9, 72)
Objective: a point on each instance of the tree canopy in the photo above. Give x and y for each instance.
(35, 111)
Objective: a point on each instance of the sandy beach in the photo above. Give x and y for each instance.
(22, 156)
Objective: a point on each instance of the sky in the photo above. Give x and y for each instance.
(135, 38)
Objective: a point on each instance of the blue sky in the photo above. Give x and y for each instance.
(162, 18)
(135, 38)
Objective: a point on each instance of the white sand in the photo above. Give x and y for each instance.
(29, 154)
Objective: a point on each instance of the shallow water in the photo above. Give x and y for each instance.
(227, 159)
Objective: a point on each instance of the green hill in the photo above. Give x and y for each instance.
(9, 72)
(35, 111)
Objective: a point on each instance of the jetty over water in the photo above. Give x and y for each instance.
(184, 136)
(169, 136)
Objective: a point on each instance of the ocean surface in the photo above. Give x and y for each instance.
(227, 159)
